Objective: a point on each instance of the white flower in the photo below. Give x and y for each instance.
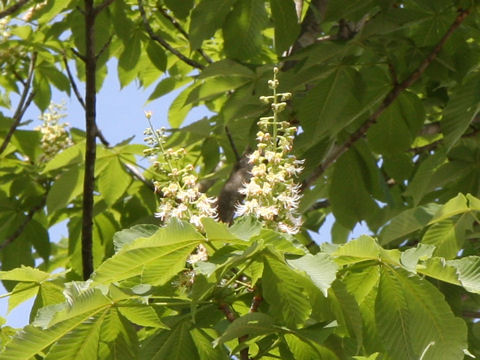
(189, 180)
(248, 207)
(179, 211)
(251, 189)
(164, 211)
(170, 190)
(267, 212)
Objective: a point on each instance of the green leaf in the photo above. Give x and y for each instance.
(203, 343)
(126, 236)
(167, 85)
(320, 268)
(397, 126)
(178, 110)
(420, 184)
(308, 350)
(32, 340)
(283, 291)
(141, 314)
(412, 256)
(455, 206)
(361, 249)
(207, 17)
(286, 24)
(461, 110)
(213, 87)
(113, 181)
(407, 222)
(57, 78)
(347, 312)
(447, 236)
(414, 320)
(157, 258)
(26, 274)
(348, 195)
(242, 30)
(437, 268)
(81, 343)
(157, 55)
(70, 156)
(129, 59)
(226, 67)
(173, 345)
(217, 231)
(65, 189)
(43, 93)
(20, 293)
(181, 9)
(323, 112)
(251, 324)
(50, 10)
(468, 270)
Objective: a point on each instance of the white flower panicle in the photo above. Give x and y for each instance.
(272, 194)
(179, 194)
(55, 136)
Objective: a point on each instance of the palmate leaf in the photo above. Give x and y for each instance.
(468, 270)
(461, 110)
(283, 291)
(308, 350)
(176, 344)
(286, 24)
(157, 258)
(81, 343)
(73, 328)
(414, 320)
(33, 340)
(242, 29)
(113, 181)
(447, 236)
(320, 268)
(364, 248)
(251, 324)
(207, 17)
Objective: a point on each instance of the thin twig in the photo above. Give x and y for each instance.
(102, 138)
(23, 225)
(23, 103)
(232, 144)
(137, 174)
(98, 9)
(13, 8)
(162, 42)
(77, 54)
(177, 26)
(227, 311)
(104, 47)
(389, 99)
(72, 82)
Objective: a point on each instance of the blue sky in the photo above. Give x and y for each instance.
(120, 114)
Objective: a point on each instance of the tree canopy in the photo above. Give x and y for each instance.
(367, 110)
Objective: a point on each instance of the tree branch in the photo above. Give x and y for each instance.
(135, 173)
(389, 99)
(98, 9)
(24, 102)
(23, 225)
(72, 82)
(162, 42)
(13, 8)
(91, 134)
(177, 26)
(77, 54)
